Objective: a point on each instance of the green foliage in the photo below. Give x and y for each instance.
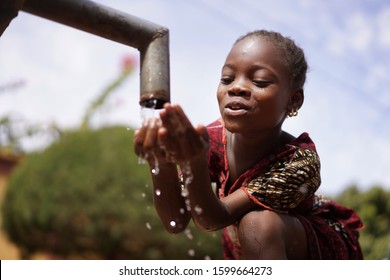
(373, 206)
(86, 197)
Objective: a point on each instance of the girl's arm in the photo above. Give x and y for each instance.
(189, 146)
(207, 210)
(168, 201)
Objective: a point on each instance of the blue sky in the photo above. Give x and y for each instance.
(347, 94)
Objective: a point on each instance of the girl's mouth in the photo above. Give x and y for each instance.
(236, 109)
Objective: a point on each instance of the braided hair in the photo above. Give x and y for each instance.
(293, 55)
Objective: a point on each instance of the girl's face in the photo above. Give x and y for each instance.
(254, 92)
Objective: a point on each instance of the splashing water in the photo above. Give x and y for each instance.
(156, 168)
(191, 252)
(141, 160)
(188, 234)
(198, 210)
(188, 204)
(184, 192)
(147, 113)
(187, 172)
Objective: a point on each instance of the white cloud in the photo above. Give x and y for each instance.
(359, 32)
(383, 22)
(355, 33)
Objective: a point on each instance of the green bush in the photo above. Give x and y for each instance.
(86, 197)
(373, 206)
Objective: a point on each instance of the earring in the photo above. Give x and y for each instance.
(293, 112)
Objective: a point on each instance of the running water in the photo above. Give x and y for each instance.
(146, 114)
(156, 168)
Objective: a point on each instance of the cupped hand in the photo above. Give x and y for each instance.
(181, 140)
(146, 143)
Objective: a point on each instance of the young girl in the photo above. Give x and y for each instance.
(265, 178)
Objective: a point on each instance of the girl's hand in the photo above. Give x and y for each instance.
(146, 143)
(181, 141)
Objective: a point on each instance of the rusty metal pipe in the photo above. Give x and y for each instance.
(150, 39)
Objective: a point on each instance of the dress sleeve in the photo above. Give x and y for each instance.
(289, 181)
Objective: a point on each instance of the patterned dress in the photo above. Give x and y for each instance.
(286, 182)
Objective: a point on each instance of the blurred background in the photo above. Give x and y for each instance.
(51, 75)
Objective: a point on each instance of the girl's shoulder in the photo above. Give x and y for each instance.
(303, 141)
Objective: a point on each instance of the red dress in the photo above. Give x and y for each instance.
(286, 182)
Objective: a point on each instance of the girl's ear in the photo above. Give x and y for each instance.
(296, 99)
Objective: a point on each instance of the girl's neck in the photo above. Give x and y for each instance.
(244, 151)
(257, 146)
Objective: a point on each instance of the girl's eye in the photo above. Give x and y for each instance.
(261, 83)
(226, 80)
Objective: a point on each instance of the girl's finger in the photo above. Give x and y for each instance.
(150, 139)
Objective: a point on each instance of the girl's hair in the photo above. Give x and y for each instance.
(294, 56)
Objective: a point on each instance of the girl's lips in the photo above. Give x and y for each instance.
(235, 112)
(236, 109)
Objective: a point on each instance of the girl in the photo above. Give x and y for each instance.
(265, 178)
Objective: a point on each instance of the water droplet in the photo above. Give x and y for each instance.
(207, 257)
(141, 160)
(156, 168)
(188, 204)
(143, 195)
(182, 210)
(198, 210)
(184, 192)
(172, 224)
(191, 252)
(158, 192)
(148, 226)
(186, 169)
(188, 234)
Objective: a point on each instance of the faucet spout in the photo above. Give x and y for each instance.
(150, 39)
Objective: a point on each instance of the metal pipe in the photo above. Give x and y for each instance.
(150, 39)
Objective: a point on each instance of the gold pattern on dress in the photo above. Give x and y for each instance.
(289, 181)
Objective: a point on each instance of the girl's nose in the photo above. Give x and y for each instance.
(238, 87)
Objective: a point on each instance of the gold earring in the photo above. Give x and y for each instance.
(293, 112)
